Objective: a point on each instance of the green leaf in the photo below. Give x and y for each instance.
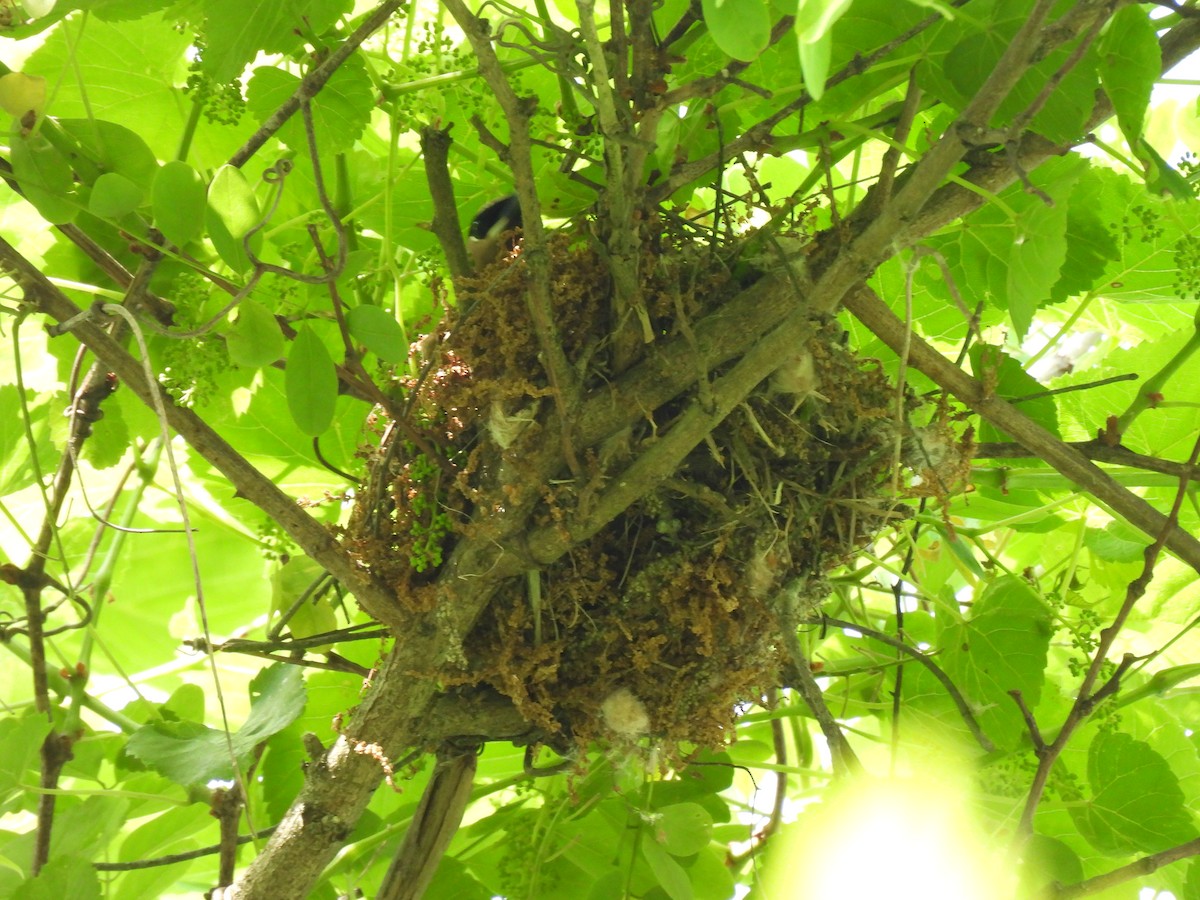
(276, 698)
(185, 752)
(1035, 260)
(1136, 805)
(683, 828)
(1091, 243)
(86, 828)
(1116, 542)
(288, 584)
(122, 10)
(232, 212)
(179, 200)
(1002, 647)
(710, 876)
(311, 383)
(20, 747)
(1048, 861)
(814, 24)
(191, 753)
(670, 874)
(815, 18)
(45, 176)
(1130, 63)
(1161, 177)
(62, 876)
(1191, 886)
(1011, 382)
(814, 63)
(113, 195)
(740, 28)
(379, 332)
(1012, 253)
(126, 73)
(237, 31)
(114, 148)
(255, 340)
(340, 112)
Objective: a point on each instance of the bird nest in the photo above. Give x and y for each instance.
(666, 620)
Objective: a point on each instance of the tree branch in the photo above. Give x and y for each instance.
(875, 315)
(252, 485)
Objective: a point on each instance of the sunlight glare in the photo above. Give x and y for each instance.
(906, 839)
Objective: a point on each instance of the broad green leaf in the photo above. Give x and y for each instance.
(176, 830)
(741, 28)
(113, 195)
(185, 752)
(1130, 64)
(610, 884)
(1035, 261)
(62, 876)
(232, 212)
(114, 148)
(1136, 804)
(1000, 648)
(1011, 254)
(179, 200)
(454, 879)
(683, 828)
(277, 698)
(110, 436)
(127, 73)
(671, 876)
(237, 31)
(1091, 240)
(378, 330)
(165, 833)
(45, 177)
(1046, 861)
(1116, 542)
(710, 876)
(969, 63)
(311, 383)
(16, 468)
(232, 200)
(86, 828)
(255, 339)
(340, 112)
(666, 139)
(186, 702)
(993, 366)
(191, 753)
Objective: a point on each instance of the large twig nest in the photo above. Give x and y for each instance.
(662, 623)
